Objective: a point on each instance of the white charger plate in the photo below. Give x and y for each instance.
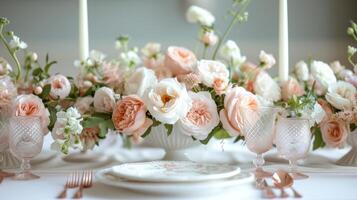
(107, 177)
(174, 171)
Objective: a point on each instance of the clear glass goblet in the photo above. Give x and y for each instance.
(293, 139)
(26, 141)
(258, 130)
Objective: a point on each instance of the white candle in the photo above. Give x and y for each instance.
(83, 30)
(283, 41)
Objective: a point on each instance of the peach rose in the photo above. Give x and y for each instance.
(334, 132)
(31, 105)
(112, 75)
(236, 102)
(220, 85)
(129, 117)
(180, 60)
(291, 88)
(60, 86)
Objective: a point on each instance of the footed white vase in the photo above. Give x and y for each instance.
(350, 159)
(176, 144)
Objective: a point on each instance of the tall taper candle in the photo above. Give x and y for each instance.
(283, 41)
(83, 30)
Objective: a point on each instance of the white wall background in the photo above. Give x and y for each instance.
(317, 27)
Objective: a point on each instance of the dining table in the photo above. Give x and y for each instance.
(326, 179)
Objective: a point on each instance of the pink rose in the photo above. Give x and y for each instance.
(83, 104)
(291, 88)
(202, 117)
(60, 86)
(129, 117)
(220, 85)
(236, 104)
(162, 73)
(112, 76)
(334, 133)
(104, 100)
(31, 105)
(154, 63)
(180, 60)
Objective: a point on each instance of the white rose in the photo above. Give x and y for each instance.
(301, 71)
(323, 74)
(317, 114)
(231, 53)
(266, 60)
(336, 67)
(104, 100)
(197, 14)
(83, 104)
(266, 87)
(141, 80)
(341, 95)
(210, 70)
(60, 86)
(202, 117)
(168, 101)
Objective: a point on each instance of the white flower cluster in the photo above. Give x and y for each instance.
(67, 129)
(130, 58)
(16, 43)
(197, 14)
(230, 52)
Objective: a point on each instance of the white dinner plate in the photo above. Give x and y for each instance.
(106, 176)
(174, 171)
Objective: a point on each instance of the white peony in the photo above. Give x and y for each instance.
(202, 117)
(323, 74)
(341, 95)
(197, 14)
(17, 43)
(60, 86)
(301, 71)
(231, 53)
(209, 71)
(104, 100)
(266, 60)
(266, 87)
(141, 80)
(168, 101)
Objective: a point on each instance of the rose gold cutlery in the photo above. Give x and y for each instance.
(282, 180)
(73, 181)
(86, 182)
(267, 191)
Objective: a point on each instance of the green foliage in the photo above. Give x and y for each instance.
(221, 134)
(238, 138)
(211, 134)
(102, 122)
(318, 141)
(169, 128)
(148, 131)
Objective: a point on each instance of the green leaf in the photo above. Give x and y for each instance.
(53, 116)
(169, 128)
(147, 132)
(37, 71)
(318, 141)
(46, 91)
(126, 142)
(48, 66)
(221, 134)
(102, 115)
(211, 134)
(239, 137)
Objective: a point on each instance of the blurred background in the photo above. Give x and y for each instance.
(317, 28)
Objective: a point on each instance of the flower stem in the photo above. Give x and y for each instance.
(11, 52)
(229, 28)
(204, 51)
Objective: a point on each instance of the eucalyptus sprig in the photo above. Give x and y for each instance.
(239, 15)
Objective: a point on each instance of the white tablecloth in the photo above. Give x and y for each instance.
(327, 181)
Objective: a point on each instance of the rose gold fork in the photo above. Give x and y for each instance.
(72, 182)
(86, 182)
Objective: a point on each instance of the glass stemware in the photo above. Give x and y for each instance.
(26, 140)
(258, 131)
(293, 139)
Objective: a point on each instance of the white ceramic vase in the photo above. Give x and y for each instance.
(176, 144)
(350, 159)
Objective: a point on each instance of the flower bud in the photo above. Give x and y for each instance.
(209, 38)
(350, 31)
(34, 57)
(38, 90)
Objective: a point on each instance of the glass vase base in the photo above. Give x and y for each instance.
(23, 176)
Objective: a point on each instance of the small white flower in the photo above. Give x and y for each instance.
(5, 67)
(323, 74)
(351, 50)
(197, 14)
(231, 53)
(302, 71)
(73, 113)
(141, 80)
(266, 60)
(341, 95)
(336, 67)
(130, 58)
(17, 43)
(96, 57)
(151, 49)
(317, 114)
